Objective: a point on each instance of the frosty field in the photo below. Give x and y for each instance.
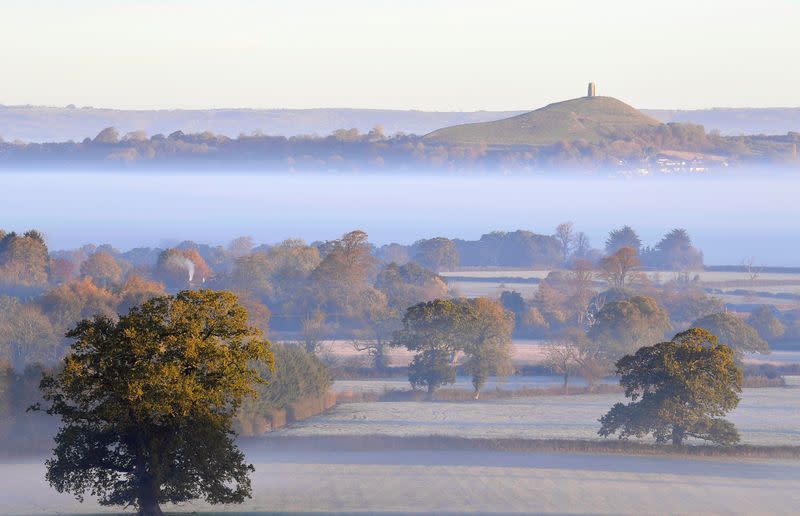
(764, 416)
(445, 482)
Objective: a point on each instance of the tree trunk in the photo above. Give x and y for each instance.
(151, 509)
(677, 435)
(381, 360)
(430, 392)
(566, 386)
(148, 496)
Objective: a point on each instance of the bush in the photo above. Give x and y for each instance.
(296, 389)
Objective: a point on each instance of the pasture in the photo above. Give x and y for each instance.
(454, 482)
(768, 416)
(765, 286)
(523, 352)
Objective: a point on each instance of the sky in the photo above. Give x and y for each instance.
(428, 55)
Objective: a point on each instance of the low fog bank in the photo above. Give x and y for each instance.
(729, 218)
(489, 482)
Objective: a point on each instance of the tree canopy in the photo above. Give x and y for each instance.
(678, 389)
(147, 402)
(434, 330)
(734, 332)
(623, 326)
(623, 237)
(438, 330)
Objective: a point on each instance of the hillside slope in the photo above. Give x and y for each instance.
(586, 118)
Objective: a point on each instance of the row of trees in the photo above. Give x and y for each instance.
(347, 150)
(521, 248)
(310, 292)
(475, 334)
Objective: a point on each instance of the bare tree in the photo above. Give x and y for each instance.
(313, 331)
(582, 247)
(751, 269)
(566, 237)
(561, 357)
(240, 246)
(752, 272)
(581, 276)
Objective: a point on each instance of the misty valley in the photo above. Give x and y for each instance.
(429, 258)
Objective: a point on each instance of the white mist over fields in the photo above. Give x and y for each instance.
(729, 218)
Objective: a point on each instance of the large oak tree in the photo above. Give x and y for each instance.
(678, 389)
(147, 403)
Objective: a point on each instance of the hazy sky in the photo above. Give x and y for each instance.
(433, 55)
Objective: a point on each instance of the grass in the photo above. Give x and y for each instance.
(463, 395)
(764, 417)
(365, 443)
(584, 118)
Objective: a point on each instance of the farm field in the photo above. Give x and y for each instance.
(705, 276)
(462, 382)
(768, 416)
(524, 352)
(772, 282)
(490, 288)
(485, 482)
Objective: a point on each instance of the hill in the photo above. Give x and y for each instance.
(587, 118)
(55, 124)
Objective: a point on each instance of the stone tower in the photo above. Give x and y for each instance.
(592, 91)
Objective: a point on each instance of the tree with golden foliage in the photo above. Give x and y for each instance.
(623, 326)
(77, 299)
(136, 290)
(24, 259)
(487, 343)
(616, 269)
(678, 389)
(734, 332)
(102, 268)
(147, 403)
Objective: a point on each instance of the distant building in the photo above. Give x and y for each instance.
(592, 91)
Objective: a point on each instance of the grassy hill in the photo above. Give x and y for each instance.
(49, 124)
(587, 118)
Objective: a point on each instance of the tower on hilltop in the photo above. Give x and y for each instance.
(592, 91)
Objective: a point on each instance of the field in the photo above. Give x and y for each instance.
(764, 417)
(445, 482)
(705, 276)
(524, 352)
(491, 282)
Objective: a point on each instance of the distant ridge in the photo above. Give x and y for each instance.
(55, 124)
(586, 118)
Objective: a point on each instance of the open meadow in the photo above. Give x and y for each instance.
(769, 416)
(781, 289)
(479, 482)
